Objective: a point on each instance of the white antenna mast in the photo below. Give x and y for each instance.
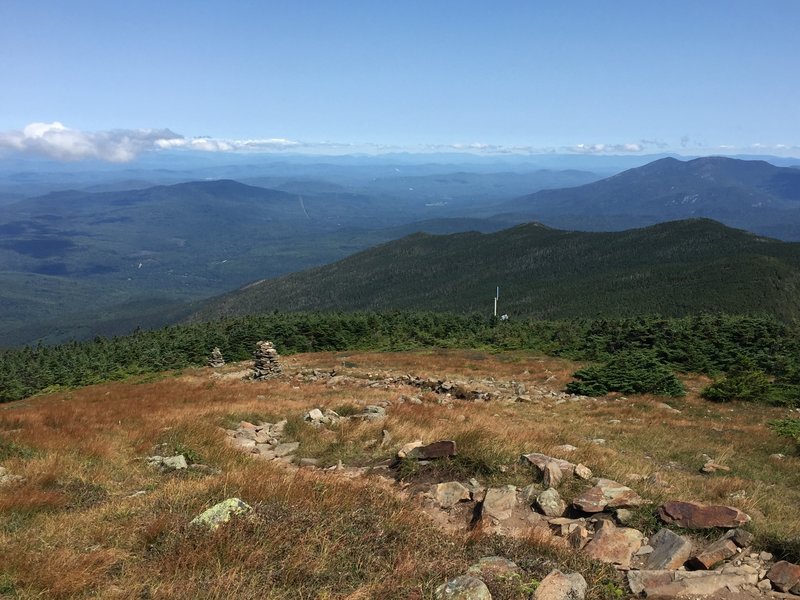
(496, 298)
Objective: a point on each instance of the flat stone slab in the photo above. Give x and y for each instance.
(692, 515)
(670, 550)
(607, 494)
(686, 584)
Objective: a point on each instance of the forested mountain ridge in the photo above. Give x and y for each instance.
(752, 194)
(676, 268)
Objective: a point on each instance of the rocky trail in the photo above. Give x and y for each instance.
(697, 550)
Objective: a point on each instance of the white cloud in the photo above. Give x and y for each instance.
(54, 140)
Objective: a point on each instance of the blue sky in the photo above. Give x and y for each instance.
(524, 76)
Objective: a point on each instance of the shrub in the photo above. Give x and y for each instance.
(629, 372)
(749, 385)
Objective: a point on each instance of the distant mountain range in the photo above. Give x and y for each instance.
(673, 269)
(79, 263)
(752, 194)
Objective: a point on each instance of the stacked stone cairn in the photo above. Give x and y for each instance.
(266, 363)
(216, 360)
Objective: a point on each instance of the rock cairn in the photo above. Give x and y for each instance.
(216, 360)
(266, 363)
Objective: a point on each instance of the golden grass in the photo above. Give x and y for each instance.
(74, 528)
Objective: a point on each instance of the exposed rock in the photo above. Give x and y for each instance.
(606, 494)
(449, 494)
(221, 513)
(784, 576)
(692, 515)
(713, 555)
(530, 492)
(566, 448)
(386, 438)
(7, 478)
(549, 502)
(686, 584)
(713, 467)
(286, 448)
(216, 360)
(614, 545)
(464, 587)
(551, 474)
(743, 538)
(168, 463)
(558, 586)
(670, 550)
(578, 537)
(540, 460)
(583, 472)
(406, 449)
(623, 516)
(494, 566)
(499, 502)
(266, 363)
(440, 449)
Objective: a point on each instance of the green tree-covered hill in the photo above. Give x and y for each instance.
(673, 269)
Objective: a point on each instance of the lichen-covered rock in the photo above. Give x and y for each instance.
(464, 587)
(549, 502)
(614, 545)
(221, 513)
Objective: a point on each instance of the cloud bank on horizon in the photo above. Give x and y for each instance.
(56, 141)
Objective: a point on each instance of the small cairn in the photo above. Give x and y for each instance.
(216, 360)
(266, 361)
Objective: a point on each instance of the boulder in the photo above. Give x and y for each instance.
(168, 463)
(784, 576)
(550, 504)
(221, 513)
(614, 545)
(440, 449)
(713, 555)
(499, 502)
(464, 587)
(559, 586)
(692, 515)
(670, 550)
(583, 472)
(606, 494)
(449, 494)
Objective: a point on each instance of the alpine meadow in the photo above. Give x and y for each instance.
(399, 301)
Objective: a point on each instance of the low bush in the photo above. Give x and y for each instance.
(629, 372)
